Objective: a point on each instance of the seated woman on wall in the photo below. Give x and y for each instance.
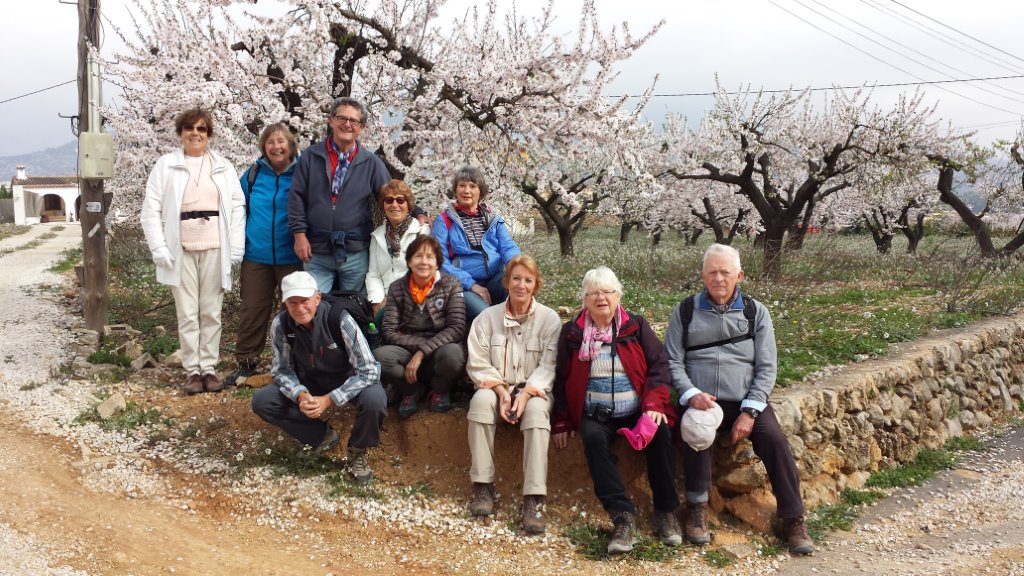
(512, 364)
(611, 372)
(389, 241)
(476, 242)
(424, 327)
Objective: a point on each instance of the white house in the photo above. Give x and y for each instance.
(44, 198)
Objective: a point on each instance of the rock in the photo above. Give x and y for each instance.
(144, 361)
(159, 331)
(255, 381)
(130, 349)
(737, 551)
(173, 359)
(70, 292)
(982, 420)
(755, 508)
(954, 428)
(88, 337)
(111, 406)
(744, 479)
(968, 420)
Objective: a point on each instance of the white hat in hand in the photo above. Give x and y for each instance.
(698, 427)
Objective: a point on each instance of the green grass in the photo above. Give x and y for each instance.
(840, 516)
(966, 444)
(108, 356)
(925, 464)
(591, 541)
(160, 345)
(716, 559)
(8, 230)
(133, 416)
(243, 392)
(30, 386)
(68, 259)
(418, 490)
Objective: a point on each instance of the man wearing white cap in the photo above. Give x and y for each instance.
(313, 370)
(721, 349)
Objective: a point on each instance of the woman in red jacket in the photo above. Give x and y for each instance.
(600, 388)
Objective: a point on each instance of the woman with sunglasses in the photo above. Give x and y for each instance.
(193, 216)
(389, 242)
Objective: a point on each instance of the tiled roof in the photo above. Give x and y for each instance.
(46, 181)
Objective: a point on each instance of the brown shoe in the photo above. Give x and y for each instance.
(797, 539)
(623, 533)
(697, 523)
(211, 383)
(666, 528)
(533, 514)
(194, 384)
(483, 499)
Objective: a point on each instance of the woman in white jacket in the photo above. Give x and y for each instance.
(390, 240)
(193, 217)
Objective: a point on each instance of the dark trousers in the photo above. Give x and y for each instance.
(275, 408)
(475, 304)
(771, 447)
(597, 438)
(258, 285)
(441, 369)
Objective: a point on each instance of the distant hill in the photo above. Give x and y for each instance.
(59, 161)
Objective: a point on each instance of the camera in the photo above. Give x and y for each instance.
(600, 412)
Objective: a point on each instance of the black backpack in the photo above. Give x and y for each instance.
(357, 307)
(686, 315)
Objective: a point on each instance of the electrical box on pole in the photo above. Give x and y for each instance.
(95, 156)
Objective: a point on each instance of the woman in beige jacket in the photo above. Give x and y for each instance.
(512, 349)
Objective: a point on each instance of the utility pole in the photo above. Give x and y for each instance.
(96, 292)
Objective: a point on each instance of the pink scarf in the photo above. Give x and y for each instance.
(594, 337)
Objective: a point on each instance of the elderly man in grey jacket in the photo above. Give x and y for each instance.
(721, 349)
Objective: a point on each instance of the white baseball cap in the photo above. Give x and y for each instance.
(298, 284)
(698, 427)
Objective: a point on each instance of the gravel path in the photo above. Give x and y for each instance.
(181, 504)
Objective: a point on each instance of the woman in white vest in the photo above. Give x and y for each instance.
(193, 216)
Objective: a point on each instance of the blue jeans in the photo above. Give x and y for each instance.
(351, 273)
(475, 304)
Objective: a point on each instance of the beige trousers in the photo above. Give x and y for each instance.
(536, 427)
(198, 299)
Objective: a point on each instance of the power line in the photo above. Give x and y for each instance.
(870, 55)
(865, 85)
(1015, 57)
(38, 91)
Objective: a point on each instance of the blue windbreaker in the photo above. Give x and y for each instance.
(267, 239)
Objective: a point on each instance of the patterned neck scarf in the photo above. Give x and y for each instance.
(393, 235)
(594, 337)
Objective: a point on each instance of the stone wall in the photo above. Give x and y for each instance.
(877, 414)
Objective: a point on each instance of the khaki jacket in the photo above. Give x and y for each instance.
(503, 350)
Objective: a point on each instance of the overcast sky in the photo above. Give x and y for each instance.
(772, 44)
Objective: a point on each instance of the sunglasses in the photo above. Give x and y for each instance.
(190, 128)
(393, 199)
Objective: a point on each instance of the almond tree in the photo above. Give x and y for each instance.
(785, 157)
(478, 90)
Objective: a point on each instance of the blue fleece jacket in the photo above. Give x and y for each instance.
(462, 261)
(267, 239)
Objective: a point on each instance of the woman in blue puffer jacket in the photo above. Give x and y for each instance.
(476, 243)
(269, 247)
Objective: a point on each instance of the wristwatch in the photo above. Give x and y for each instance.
(752, 412)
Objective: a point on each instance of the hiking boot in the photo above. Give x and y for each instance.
(358, 467)
(330, 440)
(666, 527)
(244, 370)
(211, 383)
(410, 404)
(533, 514)
(623, 533)
(696, 523)
(483, 499)
(194, 384)
(440, 402)
(797, 539)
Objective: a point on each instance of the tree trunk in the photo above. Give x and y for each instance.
(972, 220)
(692, 239)
(880, 231)
(913, 232)
(624, 231)
(565, 242)
(798, 233)
(774, 234)
(656, 238)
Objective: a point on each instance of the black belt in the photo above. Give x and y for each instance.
(204, 214)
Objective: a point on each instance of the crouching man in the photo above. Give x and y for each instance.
(721, 349)
(314, 370)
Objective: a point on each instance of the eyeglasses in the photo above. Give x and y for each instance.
(607, 293)
(342, 120)
(400, 200)
(189, 128)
